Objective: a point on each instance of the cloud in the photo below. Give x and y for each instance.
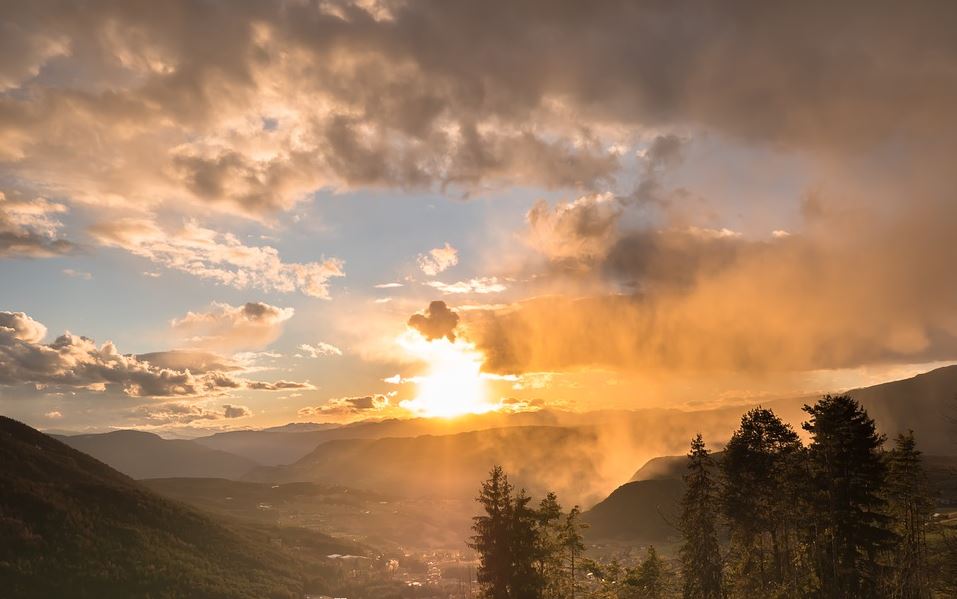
(437, 260)
(222, 258)
(75, 361)
(347, 406)
(851, 289)
(77, 274)
(277, 385)
(197, 362)
(581, 229)
(231, 411)
(435, 94)
(438, 321)
(230, 328)
(54, 415)
(388, 285)
(183, 412)
(320, 349)
(18, 326)
(479, 285)
(29, 228)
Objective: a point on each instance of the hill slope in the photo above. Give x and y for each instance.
(145, 455)
(72, 526)
(644, 511)
(453, 466)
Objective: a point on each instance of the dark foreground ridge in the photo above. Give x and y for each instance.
(72, 526)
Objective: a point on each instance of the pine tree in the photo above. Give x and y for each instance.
(573, 545)
(847, 526)
(550, 547)
(492, 536)
(909, 505)
(759, 498)
(700, 554)
(652, 576)
(524, 579)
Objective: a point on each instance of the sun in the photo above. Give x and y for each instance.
(453, 385)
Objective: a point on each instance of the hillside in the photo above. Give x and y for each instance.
(145, 455)
(285, 444)
(643, 511)
(453, 466)
(72, 526)
(926, 403)
(388, 523)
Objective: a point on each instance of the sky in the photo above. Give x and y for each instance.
(219, 215)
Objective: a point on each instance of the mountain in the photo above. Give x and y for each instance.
(286, 444)
(919, 403)
(302, 427)
(669, 467)
(453, 466)
(145, 455)
(926, 404)
(72, 526)
(644, 511)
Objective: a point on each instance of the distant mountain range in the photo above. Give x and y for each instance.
(73, 527)
(453, 466)
(145, 455)
(582, 456)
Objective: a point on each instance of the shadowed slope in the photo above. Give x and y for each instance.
(72, 526)
(145, 455)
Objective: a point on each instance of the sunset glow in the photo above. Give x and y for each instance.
(453, 385)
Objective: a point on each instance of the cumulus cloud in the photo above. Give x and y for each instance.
(19, 326)
(436, 322)
(75, 361)
(349, 406)
(438, 94)
(227, 327)
(222, 258)
(575, 230)
(438, 260)
(320, 349)
(30, 228)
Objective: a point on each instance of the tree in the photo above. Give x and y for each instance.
(760, 499)
(847, 526)
(524, 579)
(909, 505)
(700, 554)
(492, 536)
(652, 576)
(573, 545)
(550, 550)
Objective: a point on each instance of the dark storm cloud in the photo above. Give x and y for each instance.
(415, 93)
